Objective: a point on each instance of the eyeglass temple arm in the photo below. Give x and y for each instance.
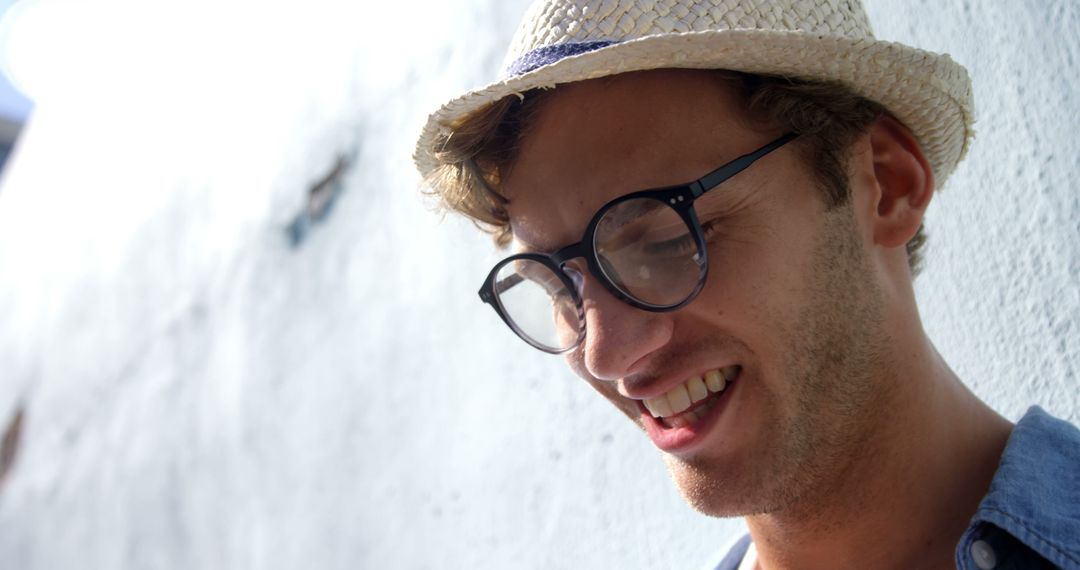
(503, 284)
(718, 176)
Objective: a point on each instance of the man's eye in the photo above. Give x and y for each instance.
(683, 244)
(673, 247)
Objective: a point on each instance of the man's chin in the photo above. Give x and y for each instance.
(711, 491)
(724, 492)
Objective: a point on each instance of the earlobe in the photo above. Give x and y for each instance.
(905, 182)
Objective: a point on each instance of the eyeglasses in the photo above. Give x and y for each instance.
(646, 248)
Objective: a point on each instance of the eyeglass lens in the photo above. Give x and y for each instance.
(538, 304)
(645, 249)
(648, 252)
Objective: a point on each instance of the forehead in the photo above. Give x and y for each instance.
(593, 141)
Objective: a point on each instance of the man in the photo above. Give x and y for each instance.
(716, 210)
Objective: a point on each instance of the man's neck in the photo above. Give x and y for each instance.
(906, 504)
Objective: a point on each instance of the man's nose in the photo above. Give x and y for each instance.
(618, 336)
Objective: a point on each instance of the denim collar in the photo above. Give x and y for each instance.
(1033, 502)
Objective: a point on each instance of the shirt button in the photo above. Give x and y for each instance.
(983, 555)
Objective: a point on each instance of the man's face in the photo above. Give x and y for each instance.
(791, 312)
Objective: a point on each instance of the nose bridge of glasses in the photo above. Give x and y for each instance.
(572, 251)
(562, 259)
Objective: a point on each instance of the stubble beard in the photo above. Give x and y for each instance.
(836, 346)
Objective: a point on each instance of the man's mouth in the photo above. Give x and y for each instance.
(689, 402)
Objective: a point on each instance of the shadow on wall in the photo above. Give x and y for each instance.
(321, 196)
(9, 132)
(15, 108)
(9, 445)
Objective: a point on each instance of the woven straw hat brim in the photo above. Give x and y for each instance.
(928, 92)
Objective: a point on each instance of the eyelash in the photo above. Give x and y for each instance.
(684, 245)
(709, 229)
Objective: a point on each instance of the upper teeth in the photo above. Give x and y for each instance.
(695, 389)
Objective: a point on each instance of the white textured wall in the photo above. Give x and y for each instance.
(199, 395)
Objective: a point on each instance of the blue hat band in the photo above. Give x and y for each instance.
(546, 55)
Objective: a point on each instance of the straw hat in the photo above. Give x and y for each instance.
(562, 41)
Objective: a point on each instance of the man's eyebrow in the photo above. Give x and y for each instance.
(525, 241)
(519, 245)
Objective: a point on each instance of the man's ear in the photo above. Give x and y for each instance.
(904, 179)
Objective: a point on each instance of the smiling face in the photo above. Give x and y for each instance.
(765, 383)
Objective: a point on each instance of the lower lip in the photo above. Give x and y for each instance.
(675, 439)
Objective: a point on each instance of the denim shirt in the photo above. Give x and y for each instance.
(1030, 518)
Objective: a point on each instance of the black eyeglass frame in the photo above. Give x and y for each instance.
(680, 198)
